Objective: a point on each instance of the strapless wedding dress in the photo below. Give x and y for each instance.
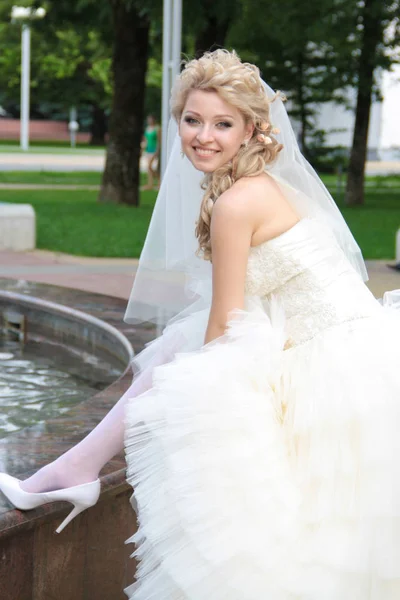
(266, 465)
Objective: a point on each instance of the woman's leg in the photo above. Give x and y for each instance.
(157, 171)
(153, 170)
(150, 174)
(83, 462)
(150, 177)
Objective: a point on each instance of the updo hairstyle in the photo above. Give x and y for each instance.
(239, 84)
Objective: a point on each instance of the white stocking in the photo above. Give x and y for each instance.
(83, 462)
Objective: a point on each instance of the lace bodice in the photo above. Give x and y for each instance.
(306, 270)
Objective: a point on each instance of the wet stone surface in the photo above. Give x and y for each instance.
(41, 380)
(23, 452)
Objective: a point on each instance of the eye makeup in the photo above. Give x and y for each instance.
(191, 120)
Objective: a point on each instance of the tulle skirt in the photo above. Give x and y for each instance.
(265, 473)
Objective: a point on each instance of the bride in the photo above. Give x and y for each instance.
(261, 429)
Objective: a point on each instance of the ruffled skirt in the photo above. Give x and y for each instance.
(264, 473)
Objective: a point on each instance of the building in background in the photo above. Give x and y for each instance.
(384, 129)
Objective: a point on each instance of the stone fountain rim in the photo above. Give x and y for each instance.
(72, 313)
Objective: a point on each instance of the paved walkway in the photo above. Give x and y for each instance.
(16, 161)
(91, 160)
(111, 276)
(383, 167)
(381, 277)
(94, 160)
(114, 276)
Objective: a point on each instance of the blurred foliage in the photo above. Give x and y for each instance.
(74, 222)
(68, 66)
(70, 61)
(310, 50)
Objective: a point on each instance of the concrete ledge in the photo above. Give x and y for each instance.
(68, 325)
(17, 227)
(89, 559)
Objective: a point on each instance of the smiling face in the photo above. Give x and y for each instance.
(211, 130)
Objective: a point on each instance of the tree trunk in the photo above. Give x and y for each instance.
(121, 176)
(98, 128)
(371, 37)
(215, 29)
(212, 36)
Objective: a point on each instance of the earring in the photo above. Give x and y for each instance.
(182, 153)
(245, 143)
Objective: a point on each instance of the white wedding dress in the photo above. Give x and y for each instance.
(266, 465)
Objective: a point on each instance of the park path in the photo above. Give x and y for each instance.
(111, 276)
(114, 276)
(94, 160)
(31, 161)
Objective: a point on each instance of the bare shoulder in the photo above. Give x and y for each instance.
(235, 212)
(247, 198)
(259, 189)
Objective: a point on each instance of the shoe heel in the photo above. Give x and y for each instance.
(74, 513)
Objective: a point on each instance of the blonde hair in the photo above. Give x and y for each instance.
(240, 85)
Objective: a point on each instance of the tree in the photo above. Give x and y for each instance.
(70, 65)
(121, 176)
(153, 90)
(211, 27)
(124, 25)
(297, 47)
(79, 62)
(378, 37)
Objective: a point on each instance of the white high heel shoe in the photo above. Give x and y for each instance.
(81, 496)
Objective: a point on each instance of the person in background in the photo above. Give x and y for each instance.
(151, 145)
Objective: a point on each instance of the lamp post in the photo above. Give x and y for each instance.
(73, 126)
(172, 35)
(24, 15)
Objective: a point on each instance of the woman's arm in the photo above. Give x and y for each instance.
(232, 226)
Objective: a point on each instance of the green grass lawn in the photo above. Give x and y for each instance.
(374, 225)
(371, 181)
(37, 145)
(50, 177)
(48, 149)
(74, 222)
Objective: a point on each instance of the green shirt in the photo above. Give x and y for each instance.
(151, 136)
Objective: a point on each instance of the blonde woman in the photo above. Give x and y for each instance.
(262, 427)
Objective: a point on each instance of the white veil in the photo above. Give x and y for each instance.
(171, 281)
